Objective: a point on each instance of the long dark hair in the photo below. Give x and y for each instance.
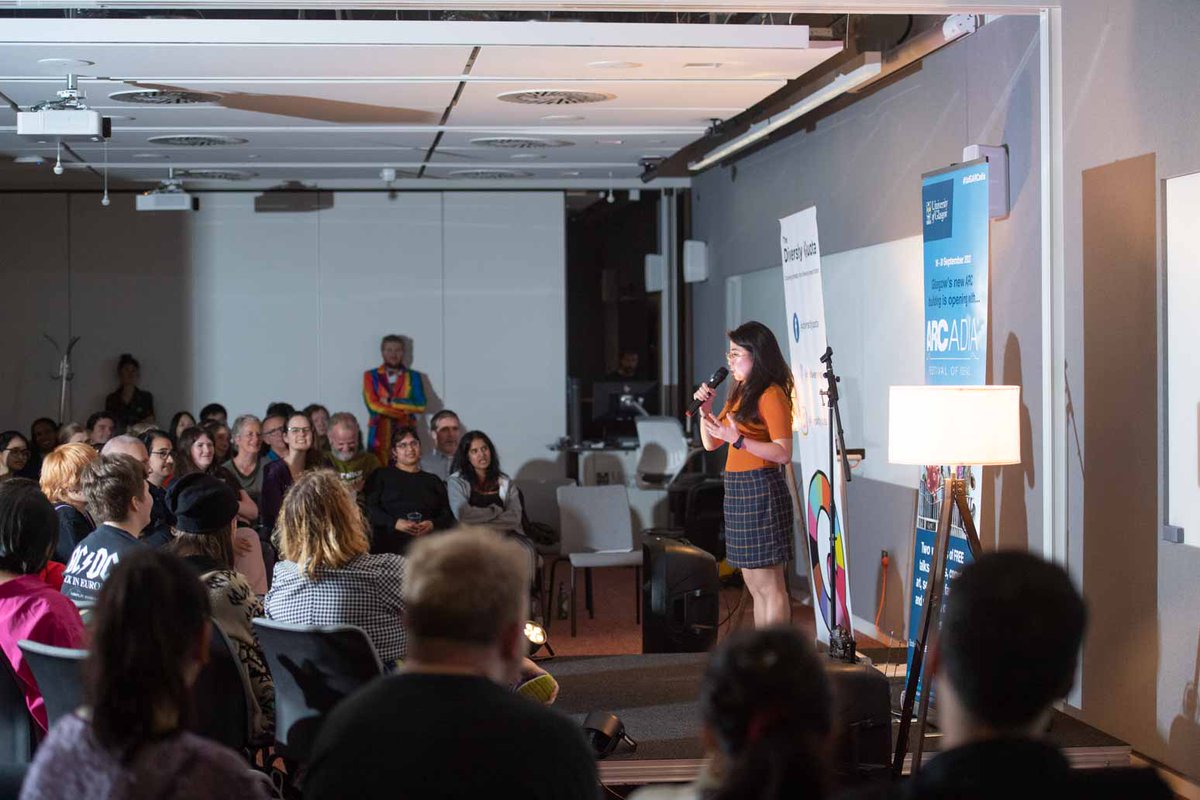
(148, 622)
(184, 463)
(175, 423)
(28, 527)
(769, 369)
(766, 698)
(462, 462)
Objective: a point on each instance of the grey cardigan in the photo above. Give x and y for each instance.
(508, 519)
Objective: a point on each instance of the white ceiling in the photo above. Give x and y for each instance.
(330, 103)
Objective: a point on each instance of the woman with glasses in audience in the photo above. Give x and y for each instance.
(326, 571)
(302, 455)
(129, 404)
(131, 740)
(403, 501)
(30, 609)
(180, 423)
(160, 468)
(14, 454)
(43, 437)
(196, 452)
(60, 483)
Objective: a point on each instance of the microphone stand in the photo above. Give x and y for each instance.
(842, 646)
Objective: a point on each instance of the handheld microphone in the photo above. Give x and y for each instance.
(712, 383)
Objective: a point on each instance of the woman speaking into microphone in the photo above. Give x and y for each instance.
(756, 423)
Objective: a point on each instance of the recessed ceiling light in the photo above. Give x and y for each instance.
(527, 156)
(657, 141)
(702, 65)
(614, 65)
(65, 62)
(41, 141)
(610, 141)
(563, 118)
(571, 173)
(252, 155)
(148, 155)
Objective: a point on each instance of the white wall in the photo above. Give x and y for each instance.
(244, 308)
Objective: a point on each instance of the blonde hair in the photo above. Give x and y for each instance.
(467, 585)
(320, 525)
(62, 469)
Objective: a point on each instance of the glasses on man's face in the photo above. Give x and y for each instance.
(299, 430)
(163, 454)
(272, 432)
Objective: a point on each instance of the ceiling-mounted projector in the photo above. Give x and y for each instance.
(169, 196)
(68, 117)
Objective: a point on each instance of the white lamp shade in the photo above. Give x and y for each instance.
(951, 425)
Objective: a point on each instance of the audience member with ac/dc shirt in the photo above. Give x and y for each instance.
(1007, 650)
(129, 405)
(404, 502)
(131, 740)
(156, 533)
(118, 496)
(448, 725)
(326, 576)
(29, 609)
(62, 483)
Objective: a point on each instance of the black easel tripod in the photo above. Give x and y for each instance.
(955, 497)
(841, 638)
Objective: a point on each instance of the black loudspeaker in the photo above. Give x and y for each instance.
(862, 723)
(680, 597)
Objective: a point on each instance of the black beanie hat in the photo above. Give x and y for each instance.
(201, 503)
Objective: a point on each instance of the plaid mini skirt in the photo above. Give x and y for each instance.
(758, 519)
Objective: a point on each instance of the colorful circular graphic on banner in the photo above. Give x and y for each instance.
(828, 578)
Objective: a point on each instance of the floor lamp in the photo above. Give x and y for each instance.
(946, 425)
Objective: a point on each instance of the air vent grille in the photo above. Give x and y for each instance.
(488, 174)
(164, 97)
(216, 174)
(519, 142)
(554, 97)
(196, 140)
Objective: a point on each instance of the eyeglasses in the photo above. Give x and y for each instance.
(162, 453)
(272, 432)
(407, 445)
(299, 430)
(732, 357)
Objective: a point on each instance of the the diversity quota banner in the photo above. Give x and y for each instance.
(954, 207)
(820, 483)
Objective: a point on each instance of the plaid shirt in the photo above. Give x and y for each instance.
(365, 593)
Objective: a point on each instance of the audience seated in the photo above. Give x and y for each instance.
(326, 576)
(156, 533)
(43, 434)
(347, 456)
(180, 423)
(195, 452)
(205, 512)
(159, 469)
(72, 433)
(447, 430)
(767, 720)
(118, 496)
(301, 456)
(129, 405)
(319, 415)
(1007, 650)
(215, 412)
(246, 463)
(100, 428)
(14, 454)
(447, 726)
(219, 432)
(61, 482)
(130, 741)
(404, 502)
(29, 609)
(274, 436)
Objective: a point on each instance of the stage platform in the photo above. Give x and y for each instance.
(655, 696)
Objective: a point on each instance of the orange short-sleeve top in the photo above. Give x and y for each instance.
(776, 414)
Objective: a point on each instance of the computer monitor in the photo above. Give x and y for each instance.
(620, 400)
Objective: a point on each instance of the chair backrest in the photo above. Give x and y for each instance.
(662, 448)
(16, 725)
(595, 519)
(59, 674)
(313, 667)
(221, 695)
(540, 498)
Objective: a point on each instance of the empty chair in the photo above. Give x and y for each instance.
(663, 452)
(16, 725)
(597, 532)
(314, 667)
(222, 695)
(59, 673)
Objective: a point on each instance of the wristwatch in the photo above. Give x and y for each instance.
(738, 445)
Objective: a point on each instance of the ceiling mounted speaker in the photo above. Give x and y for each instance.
(488, 174)
(519, 142)
(554, 97)
(197, 140)
(170, 97)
